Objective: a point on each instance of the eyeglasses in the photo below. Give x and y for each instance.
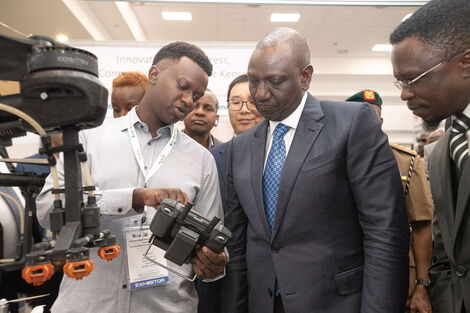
(237, 105)
(406, 84)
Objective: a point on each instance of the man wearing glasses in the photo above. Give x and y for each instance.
(431, 60)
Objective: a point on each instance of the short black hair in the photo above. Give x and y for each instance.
(444, 25)
(240, 79)
(179, 49)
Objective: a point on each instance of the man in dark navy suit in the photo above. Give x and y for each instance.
(314, 199)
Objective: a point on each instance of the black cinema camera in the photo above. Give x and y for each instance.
(178, 230)
(60, 90)
(59, 86)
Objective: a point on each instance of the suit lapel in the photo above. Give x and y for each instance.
(306, 133)
(225, 166)
(258, 147)
(221, 153)
(441, 183)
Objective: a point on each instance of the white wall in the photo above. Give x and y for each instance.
(335, 78)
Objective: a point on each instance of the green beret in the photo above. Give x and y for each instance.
(366, 96)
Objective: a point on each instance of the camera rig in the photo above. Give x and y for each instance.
(60, 91)
(178, 230)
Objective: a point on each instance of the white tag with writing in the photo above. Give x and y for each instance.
(142, 272)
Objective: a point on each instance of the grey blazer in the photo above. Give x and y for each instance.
(340, 239)
(450, 288)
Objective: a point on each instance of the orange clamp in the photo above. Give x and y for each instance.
(37, 274)
(79, 269)
(109, 253)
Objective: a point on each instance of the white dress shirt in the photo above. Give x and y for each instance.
(116, 173)
(292, 121)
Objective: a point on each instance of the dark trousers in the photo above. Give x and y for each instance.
(209, 294)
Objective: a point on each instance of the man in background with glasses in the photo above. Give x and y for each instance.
(431, 60)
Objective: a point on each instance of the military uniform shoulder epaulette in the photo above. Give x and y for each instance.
(403, 149)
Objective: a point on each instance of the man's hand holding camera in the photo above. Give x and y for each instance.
(207, 264)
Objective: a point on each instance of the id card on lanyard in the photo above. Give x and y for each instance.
(143, 273)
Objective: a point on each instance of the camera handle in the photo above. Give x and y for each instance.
(184, 213)
(180, 274)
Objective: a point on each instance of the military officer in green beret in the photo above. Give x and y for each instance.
(420, 209)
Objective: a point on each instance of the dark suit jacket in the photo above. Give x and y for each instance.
(217, 296)
(340, 237)
(221, 155)
(451, 256)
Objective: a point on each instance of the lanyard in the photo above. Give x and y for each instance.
(138, 152)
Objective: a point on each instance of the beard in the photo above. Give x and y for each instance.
(430, 126)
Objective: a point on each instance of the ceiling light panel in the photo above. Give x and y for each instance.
(285, 17)
(62, 38)
(177, 16)
(382, 47)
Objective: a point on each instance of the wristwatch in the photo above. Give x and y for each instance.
(425, 282)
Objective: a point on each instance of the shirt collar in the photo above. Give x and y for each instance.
(211, 142)
(135, 121)
(293, 119)
(466, 111)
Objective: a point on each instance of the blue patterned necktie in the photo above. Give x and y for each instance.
(458, 141)
(272, 172)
